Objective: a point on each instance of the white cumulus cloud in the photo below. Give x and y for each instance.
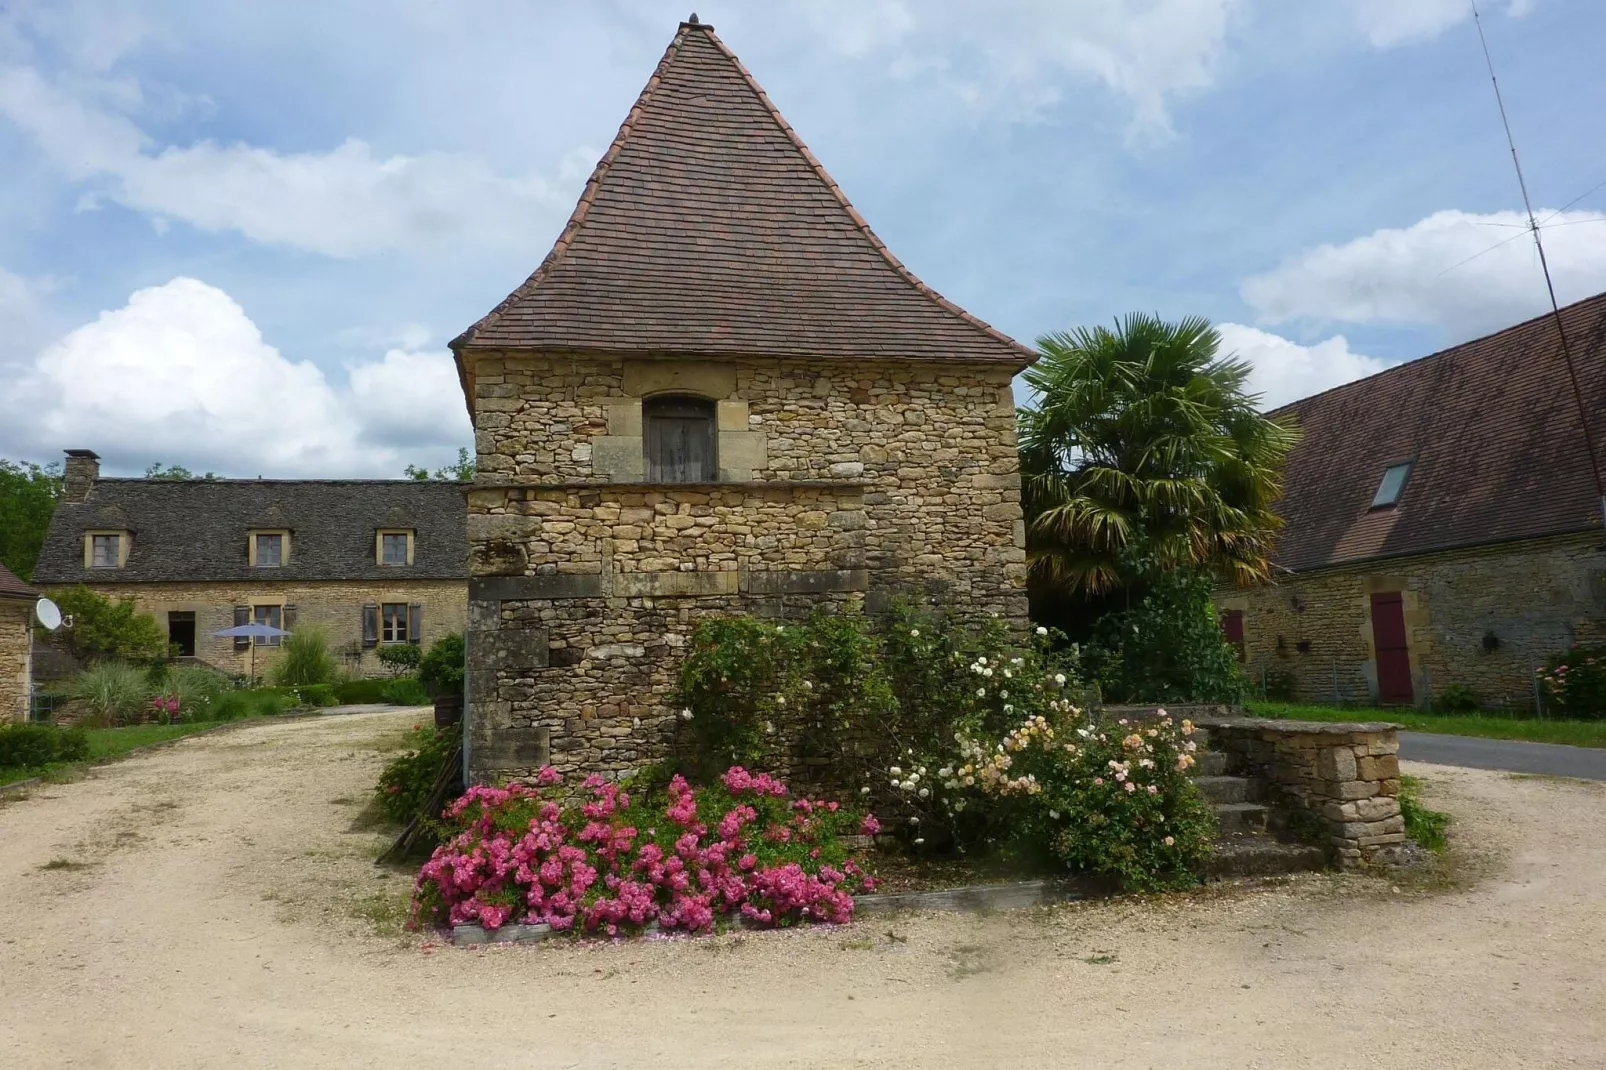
(1449, 270)
(347, 201)
(1387, 23)
(181, 374)
(1286, 371)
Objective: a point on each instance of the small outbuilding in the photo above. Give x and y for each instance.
(16, 646)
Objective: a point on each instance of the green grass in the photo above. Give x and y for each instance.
(1488, 726)
(108, 744)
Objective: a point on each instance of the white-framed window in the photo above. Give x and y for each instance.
(393, 622)
(395, 548)
(105, 551)
(273, 617)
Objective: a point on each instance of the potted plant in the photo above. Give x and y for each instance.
(440, 673)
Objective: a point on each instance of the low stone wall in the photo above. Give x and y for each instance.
(1346, 774)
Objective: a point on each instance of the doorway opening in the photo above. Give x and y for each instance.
(181, 633)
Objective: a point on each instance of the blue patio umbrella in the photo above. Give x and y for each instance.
(252, 631)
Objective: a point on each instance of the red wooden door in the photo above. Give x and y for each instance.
(1393, 656)
(1232, 627)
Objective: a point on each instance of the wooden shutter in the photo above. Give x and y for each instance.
(242, 615)
(370, 625)
(287, 620)
(415, 623)
(679, 435)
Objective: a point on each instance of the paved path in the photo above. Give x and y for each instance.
(1588, 763)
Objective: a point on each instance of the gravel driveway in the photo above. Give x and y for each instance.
(213, 904)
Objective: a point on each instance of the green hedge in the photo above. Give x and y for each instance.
(404, 691)
(360, 692)
(27, 745)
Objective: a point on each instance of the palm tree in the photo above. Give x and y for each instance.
(1144, 445)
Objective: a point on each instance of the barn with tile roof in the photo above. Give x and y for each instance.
(719, 393)
(1443, 525)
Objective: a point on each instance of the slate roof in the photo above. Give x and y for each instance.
(195, 530)
(11, 587)
(709, 228)
(1493, 434)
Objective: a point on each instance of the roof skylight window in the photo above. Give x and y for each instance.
(1388, 491)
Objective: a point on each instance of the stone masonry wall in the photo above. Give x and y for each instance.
(1346, 775)
(838, 484)
(335, 608)
(1535, 598)
(16, 630)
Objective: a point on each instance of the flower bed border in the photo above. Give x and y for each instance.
(967, 899)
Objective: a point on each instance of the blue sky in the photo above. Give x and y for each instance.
(237, 236)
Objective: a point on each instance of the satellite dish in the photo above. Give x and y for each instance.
(49, 614)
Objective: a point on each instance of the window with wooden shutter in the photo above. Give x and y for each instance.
(289, 618)
(415, 622)
(242, 615)
(679, 440)
(370, 625)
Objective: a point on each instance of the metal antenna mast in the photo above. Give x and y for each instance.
(1555, 309)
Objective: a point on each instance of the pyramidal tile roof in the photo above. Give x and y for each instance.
(709, 228)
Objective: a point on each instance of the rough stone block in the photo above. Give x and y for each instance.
(731, 415)
(513, 748)
(673, 584)
(620, 458)
(1336, 763)
(763, 583)
(742, 453)
(624, 418)
(1353, 789)
(521, 588)
(1382, 767)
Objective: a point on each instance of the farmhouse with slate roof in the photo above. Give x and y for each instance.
(16, 646)
(1442, 525)
(368, 562)
(720, 393)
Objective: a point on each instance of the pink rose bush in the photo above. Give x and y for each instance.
(683, 857)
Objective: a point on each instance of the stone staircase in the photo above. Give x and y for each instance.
(1253, 840)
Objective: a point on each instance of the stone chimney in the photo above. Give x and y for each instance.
(83, 468)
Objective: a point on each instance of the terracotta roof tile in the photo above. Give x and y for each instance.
(1492, 433)
(11, 587)
(708, 227)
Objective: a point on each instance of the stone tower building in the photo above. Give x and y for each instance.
(720, 393)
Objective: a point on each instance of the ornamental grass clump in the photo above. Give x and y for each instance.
(679, 856)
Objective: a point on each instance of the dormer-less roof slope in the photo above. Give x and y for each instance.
(1492, 433)
(196, 530)
(11, 587)
(709, 228)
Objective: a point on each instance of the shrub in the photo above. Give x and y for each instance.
(304, 659)
(1429, 828)
(1113, 801)
(863, 692)
(316, 695)
(441, 671)
(683, 858)
(404, 691)
(1170, 648)
(400, 658)
(356, 692)
(26, 745)
(107, 630)
(113, 691)
(262, 702)
(405, 783)
(1574, 682)
(1456, 698)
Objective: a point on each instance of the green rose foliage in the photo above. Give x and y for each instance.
(1169, 648)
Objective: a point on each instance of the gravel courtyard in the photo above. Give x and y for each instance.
(214, 904)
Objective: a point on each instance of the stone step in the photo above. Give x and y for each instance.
(1230, 789)
(1209, 763)
(1260, 856)
(1241, 817)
